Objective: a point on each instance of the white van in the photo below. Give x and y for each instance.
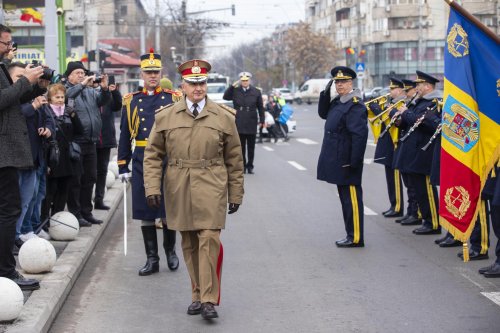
(309, 92)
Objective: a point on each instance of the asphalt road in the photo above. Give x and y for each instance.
(282, 271)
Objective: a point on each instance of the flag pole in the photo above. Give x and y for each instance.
(473, 19)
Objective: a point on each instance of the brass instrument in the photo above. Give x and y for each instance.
(395, 105)
(396, 117)
(381, 100)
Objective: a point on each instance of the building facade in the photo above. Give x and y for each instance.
(392, 37)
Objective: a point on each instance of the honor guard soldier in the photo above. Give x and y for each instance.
(137, 120)
(343, 149)
(203, 175)
(415, 161)
(384, 152)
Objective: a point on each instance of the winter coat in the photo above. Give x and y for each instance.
(205, 165)
(87, 103)
(107, 138)
(247, 104)
(345, 136)
(35, 119)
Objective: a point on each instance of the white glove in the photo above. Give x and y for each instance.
(124, 177)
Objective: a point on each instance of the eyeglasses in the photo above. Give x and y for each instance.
(9, 43)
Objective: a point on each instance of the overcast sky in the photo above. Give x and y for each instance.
(254, 19)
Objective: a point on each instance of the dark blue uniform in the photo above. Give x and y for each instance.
(417, 162)
(138, 116)
(384, 154)
(342, 155)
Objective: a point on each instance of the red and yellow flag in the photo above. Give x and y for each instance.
(470, 122)
(31, 14)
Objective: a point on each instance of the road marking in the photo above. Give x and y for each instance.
(296, 165)
(307, 141)
(268, 148)
(493, 296)
(368, 211)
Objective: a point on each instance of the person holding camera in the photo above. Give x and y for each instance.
(87, 106)
(16, 153)
(67, 126)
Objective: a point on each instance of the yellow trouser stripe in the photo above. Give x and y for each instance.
(419, 213)
(432, 203)
(355, 213)
(484, 231)
(397, 184)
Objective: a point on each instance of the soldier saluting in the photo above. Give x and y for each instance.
(343, 149)
(138, 116)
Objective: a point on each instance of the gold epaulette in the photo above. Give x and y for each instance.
(164, 108)
(176, 94)
(127, 98)
(228, 109)
(355, 99)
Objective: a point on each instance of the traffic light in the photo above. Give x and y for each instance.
(102, 58)
(233, 10)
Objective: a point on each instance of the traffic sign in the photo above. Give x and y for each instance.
(360, 67)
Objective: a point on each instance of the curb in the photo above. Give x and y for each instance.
(44, 304)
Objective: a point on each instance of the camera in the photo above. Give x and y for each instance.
(48, 73)
(14, 46)
(59, 11)
(98, 77)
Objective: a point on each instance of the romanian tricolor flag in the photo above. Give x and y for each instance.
(350, 50)
(31, 14)
(470, 143)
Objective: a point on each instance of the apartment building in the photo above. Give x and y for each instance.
(392, 37)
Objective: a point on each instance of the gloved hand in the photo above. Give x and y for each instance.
(328, 86)
(233, 207)
(154, 201)
(124, 177)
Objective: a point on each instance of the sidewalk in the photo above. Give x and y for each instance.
(43, 305)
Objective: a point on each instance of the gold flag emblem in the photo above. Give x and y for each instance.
(457, 201)
(458, 43)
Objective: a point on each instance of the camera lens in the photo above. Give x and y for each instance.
(48, 74)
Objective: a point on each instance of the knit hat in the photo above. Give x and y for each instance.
(72, 65)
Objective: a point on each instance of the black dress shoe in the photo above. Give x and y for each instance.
(84, 223)
(487, 268)
(350, 243)
(208, 311)
(24, 283)
(412, 221)
(493, 272)
(427, 231)
(450, 242)
(172, 260)
(473, 255)
(442, 239)
(92, 219)
(401, 219)
(393, 213)
(194, 308)
(99, 204)
(250, 171)
(387, 211)
(342, 241)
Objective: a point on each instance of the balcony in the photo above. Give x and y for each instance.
(399, 11)
(395, 35)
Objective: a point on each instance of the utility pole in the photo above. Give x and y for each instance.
(2, 19)
(184, 28)
(420, 35)
(157, 27)
(61, 36)
(51, 36)
(143, 37)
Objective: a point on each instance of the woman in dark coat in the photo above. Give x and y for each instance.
(59, 177)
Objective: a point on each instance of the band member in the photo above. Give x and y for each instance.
(204, 174)
(342, 152)
(384, 152)
(137, 120)
(417, 162)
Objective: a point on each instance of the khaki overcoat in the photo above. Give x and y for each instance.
(205, 165)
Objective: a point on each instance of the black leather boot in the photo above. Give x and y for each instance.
(169, 246)
(151, 244)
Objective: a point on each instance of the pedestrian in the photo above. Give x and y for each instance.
(16, 153)
(87, 103)
(247, 101)
(343, 149)
(204, 174)
(138, 117)
(107, 140)
(59, 177)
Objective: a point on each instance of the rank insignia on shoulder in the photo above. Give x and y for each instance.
(228, 109)
(128, 97)
(355, 99)
(164, 108)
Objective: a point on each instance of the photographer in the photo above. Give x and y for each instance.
(87, 106)
(16, 153)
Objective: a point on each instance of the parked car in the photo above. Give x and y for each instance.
(372, 93)
(309, 91)
(215, 91)
(285, 93)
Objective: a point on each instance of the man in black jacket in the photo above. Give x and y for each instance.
(16, 153)
(247, 101)
(87, 103)
(107, 140)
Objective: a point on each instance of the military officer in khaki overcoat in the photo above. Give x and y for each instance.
(204, 173)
